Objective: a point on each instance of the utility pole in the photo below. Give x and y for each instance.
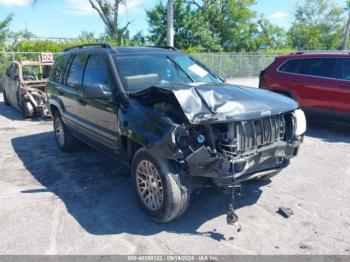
(170, 23)
(347, 28)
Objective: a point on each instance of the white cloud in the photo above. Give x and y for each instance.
(78, 7)
(279, 14)
(83, 7)
(15, 2)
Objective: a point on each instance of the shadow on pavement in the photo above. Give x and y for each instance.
(328, 130)
(98, 193)
(9, 112)
(12, 114)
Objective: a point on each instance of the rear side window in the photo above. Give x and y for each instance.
(58, 69)
(96, 73)
(292, 66)
(344, 68)
(76, 71)
(324, 67)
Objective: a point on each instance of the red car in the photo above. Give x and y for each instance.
(319, 81)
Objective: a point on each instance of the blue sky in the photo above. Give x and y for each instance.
(67, 18)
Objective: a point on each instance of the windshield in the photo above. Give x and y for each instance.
(139, 72)
(35, 72)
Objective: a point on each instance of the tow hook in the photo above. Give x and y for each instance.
(231, 216)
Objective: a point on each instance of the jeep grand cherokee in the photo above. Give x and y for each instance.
(171, 119)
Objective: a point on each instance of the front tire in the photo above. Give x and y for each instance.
(64, 139)
(159, 194)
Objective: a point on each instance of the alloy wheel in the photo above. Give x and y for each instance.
(59, 131)
(149, 185)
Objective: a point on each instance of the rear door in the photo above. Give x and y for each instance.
(70, 93)
(100, 117)
(314, 85)
(341, 101)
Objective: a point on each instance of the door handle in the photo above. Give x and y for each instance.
(82, 102)
(60, 92)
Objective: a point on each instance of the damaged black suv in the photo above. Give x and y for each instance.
(171, 119)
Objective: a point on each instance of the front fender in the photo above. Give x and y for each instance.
(150, 129)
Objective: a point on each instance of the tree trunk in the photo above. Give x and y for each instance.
(170, 23)
(346, 36)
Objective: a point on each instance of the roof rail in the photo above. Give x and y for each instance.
(89, 45)
(164, 47)
(320, 51)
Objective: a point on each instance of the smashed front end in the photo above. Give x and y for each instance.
(227, 133)
(34, 99)
(238, 151)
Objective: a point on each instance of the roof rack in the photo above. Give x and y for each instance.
(89, 45)
(320, 51)
(164, 47)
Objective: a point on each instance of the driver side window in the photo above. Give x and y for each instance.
(96, 73)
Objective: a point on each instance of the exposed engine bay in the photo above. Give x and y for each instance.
(34, 100)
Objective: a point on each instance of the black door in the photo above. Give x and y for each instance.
(99, 117)
(70, 93)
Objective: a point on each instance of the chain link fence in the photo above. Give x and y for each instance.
(236, 65)
(227, 65)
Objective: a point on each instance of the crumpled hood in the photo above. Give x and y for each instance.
(223, 102)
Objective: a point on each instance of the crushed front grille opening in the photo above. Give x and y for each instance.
(247, 136)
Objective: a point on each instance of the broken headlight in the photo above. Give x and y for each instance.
(300, 122)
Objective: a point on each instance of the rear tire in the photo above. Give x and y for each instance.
(5, 99)
(64, 139)
(157, 191)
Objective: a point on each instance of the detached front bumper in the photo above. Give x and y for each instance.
(263, 161)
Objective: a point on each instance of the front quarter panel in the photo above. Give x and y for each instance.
(143, 125)
(54, 97)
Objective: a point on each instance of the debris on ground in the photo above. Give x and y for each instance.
(231, 216)
(303, 246)
(285, 212)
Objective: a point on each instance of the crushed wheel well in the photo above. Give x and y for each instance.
(130, 147)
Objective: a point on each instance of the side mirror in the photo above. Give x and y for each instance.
(96, 92)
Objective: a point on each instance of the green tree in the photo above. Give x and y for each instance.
(139, 39)
(317, 25)
(347, 27)
(269, 35)
(87, 36)
(191, 28)
(5, 31)
(210, 25)
(233, 21)
(108, 11)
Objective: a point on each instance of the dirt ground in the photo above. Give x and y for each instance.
(82, 203)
